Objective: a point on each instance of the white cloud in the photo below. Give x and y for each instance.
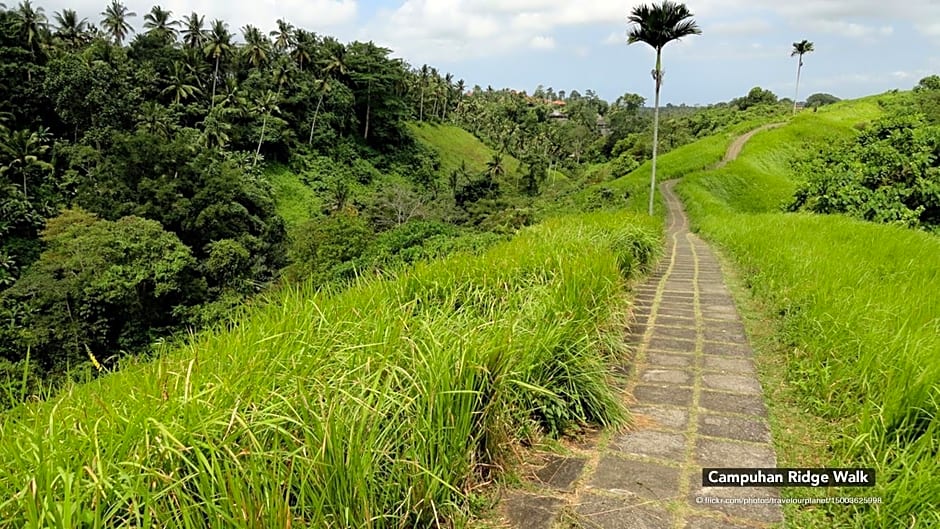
(749, 26)
(850, 29)
(541, 42)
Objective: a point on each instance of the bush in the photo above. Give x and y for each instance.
(325, 247)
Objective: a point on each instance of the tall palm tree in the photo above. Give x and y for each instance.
(115, 21)
(658, 25)
(29, 24)
(158, 22)
(304, 43)
(800, 48)
(194, 33)
(218, 45)
(267, 105)
(324, 87)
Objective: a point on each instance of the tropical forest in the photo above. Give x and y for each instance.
(258, 276)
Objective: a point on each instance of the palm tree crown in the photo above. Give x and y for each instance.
(158, 21)
(115, 21)
(658, 25)
(801, 48)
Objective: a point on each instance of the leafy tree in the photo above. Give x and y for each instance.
(658, 25)
(818, 100)
(890, 173)
(99, 287)
(800, 49)
(115, 21)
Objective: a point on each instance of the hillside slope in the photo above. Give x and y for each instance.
(855, 324)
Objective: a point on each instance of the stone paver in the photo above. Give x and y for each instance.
(696, 402)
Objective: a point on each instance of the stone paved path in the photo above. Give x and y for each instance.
(697, 402)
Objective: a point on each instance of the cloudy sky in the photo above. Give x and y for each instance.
(862, 46)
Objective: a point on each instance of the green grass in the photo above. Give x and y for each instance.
(378, 406)
(294, 200)
(455, 146)
(856, 315)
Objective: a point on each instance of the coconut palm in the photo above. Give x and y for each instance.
(284, 36)
(800, 48)
(304, 42)
(324, 87)
(256, 46)
(181, 84)
(266, 104)
(194, 33)
(158, 22)
(20, 152)
(218, 45)
(658, 25)
(115, 21)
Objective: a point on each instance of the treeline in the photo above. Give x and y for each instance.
(132, 190)
(890, 173)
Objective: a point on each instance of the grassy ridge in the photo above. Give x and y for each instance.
(856, 312)
(375, 407)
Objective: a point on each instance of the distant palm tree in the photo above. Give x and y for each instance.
(158, 22)
(324, 88)
(800, 48)
(194, 33)
(218, 45)
(658, 25)
(115, 21)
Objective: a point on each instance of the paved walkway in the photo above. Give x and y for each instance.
(697, 402)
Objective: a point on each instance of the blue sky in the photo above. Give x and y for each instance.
(862, 47)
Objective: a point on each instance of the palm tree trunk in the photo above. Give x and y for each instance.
(421, 108)
(264, 124)
(215, 78)
(659, 77)
(315, 114)
(797, 94)
(365, 135)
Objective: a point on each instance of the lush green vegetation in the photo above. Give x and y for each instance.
(889, 173)
(855, 308)
(380, 406)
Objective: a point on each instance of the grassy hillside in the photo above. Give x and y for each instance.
(380, 406)
(856, 319)
(456, 146)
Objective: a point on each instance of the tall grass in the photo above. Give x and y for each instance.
(855, 305)
(380, 406)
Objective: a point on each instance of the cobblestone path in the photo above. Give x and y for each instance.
(696, 402)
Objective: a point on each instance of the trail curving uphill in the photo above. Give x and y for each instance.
(738, 144)
(696, 401)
